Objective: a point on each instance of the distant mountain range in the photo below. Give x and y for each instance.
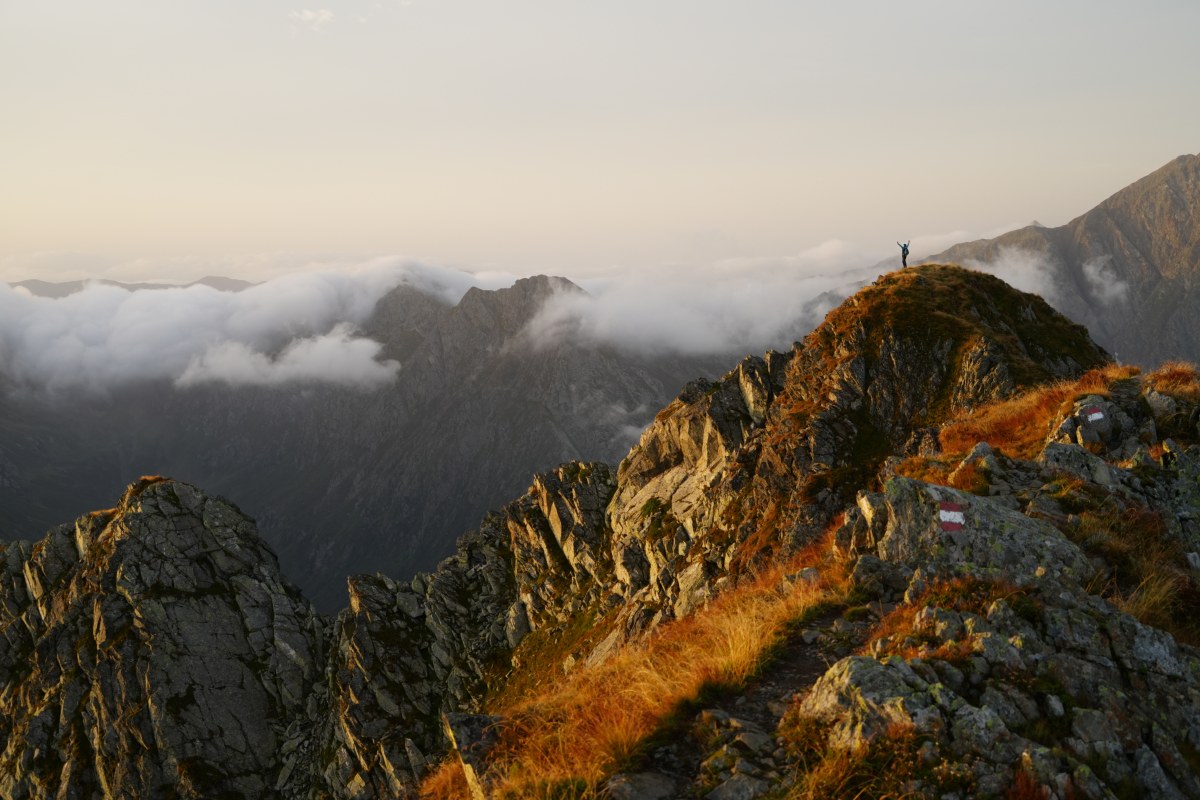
(66, 288)
(1129, 269)
(340, 480)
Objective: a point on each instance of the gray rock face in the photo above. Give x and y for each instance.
(762, 459)
(1032, 673)
(945, 532)
(152, 650)
(409, 653)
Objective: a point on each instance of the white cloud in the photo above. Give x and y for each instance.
(1105, 284)
(1027, 270)
(747, 305)
(285, 328)
(735, 306)
(336, 357)
(105, 335)
(314, 19)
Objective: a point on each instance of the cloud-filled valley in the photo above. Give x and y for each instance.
(303, 327)
(298, 327)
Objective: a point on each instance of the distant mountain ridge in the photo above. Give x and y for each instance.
(1129, 269)
(66, 288)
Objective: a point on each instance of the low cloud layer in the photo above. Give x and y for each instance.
(1104, 282)
(335, 357)
(295, 328)
(301, 327)
(732, 307)
(1038, 272)
(1027, 270)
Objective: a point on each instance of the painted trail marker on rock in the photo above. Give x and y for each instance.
(951, 515)
(1094, 414)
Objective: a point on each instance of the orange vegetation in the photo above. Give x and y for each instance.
(1178, 379)
(569, 736)
(1026, 787)
(1019, 426)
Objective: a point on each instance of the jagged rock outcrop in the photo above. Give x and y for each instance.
(152, 650)
(1007, 664)
(1000, 654)
(402, 655)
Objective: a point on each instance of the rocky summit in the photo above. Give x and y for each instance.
(941, 548)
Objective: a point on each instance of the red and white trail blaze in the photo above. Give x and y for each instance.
(951, 515)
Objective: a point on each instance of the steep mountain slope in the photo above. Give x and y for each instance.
(342, 480)
(151, 650)
(988, 642)
(1129, 269)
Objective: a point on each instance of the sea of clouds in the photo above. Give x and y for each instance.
(292, 328)
(303, 326)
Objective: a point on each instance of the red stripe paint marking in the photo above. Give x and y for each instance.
(952, 526)
(951, 506)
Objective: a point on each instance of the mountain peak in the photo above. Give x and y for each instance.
(169, 614)
(1127, 269)
(947, 311)
(505, 312)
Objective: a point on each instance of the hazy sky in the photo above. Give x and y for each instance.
(161, 138)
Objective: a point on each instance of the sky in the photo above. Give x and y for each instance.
(162, 139)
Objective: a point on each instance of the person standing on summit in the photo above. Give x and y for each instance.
(904, 252)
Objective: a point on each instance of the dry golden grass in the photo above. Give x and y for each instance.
(1178, 379)
(1149, 579)
(567, 738)
(1019, 426)
(446, 782)
(930, 469)
(1156, 600)
(969, 479)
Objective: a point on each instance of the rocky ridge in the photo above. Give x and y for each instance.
(730, 475)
